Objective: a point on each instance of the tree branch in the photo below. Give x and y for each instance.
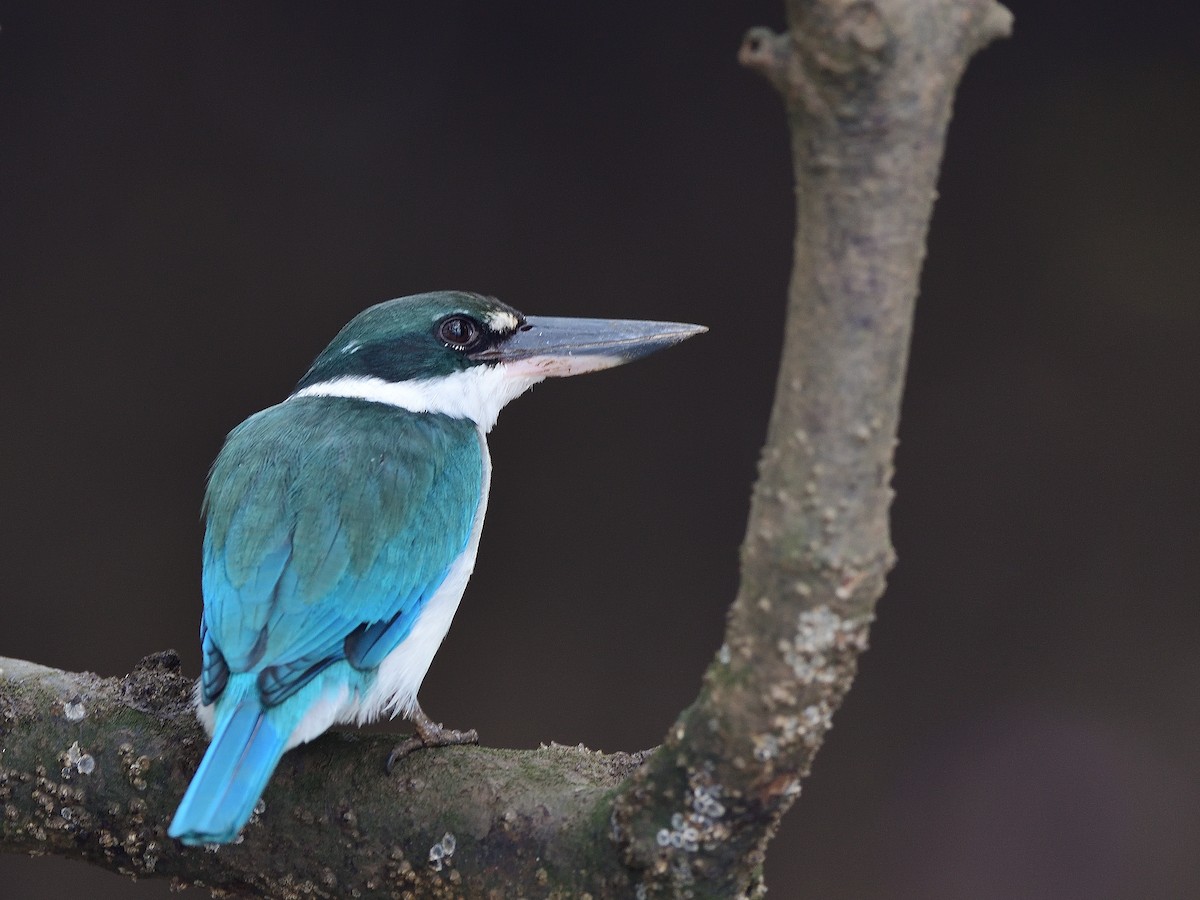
(868, 88)
(92, 768)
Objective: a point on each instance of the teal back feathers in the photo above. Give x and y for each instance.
(327, 516)
(330, 522)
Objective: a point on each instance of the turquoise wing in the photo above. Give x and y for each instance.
(330, 521)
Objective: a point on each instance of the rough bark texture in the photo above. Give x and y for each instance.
(868, 88)
(92, 768)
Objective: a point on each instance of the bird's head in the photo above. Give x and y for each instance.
(467, 355)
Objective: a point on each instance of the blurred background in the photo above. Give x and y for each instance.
(195, 197)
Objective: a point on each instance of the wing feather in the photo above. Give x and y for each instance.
(329, 521)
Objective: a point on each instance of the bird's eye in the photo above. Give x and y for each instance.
(460, 332)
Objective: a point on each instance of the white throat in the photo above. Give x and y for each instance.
(478, 393)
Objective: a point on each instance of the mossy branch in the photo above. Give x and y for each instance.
(92, 768)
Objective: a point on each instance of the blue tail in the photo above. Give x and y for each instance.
(244, 751)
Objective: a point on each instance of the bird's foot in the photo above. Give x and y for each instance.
(429, 734)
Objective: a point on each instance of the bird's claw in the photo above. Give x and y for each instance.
(429, 734)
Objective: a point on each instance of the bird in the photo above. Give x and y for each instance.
(342, 525)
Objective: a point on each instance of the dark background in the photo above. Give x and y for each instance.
(194, 197)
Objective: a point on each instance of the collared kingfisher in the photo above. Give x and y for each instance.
(341, 526)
